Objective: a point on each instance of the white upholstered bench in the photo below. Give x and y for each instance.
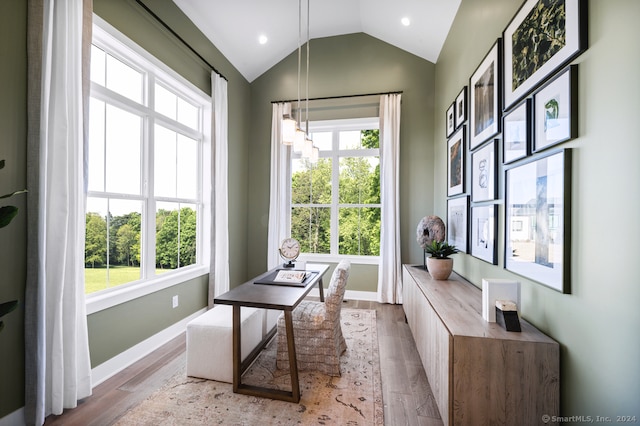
(209, 340)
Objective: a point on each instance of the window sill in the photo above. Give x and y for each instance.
(121, 294)
(336, 258)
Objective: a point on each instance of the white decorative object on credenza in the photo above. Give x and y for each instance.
(498, 289)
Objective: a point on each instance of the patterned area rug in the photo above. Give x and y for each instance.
(355, 398)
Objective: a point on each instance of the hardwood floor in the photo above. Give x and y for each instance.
(406, 392)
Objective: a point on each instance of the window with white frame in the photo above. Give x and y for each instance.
(149, 132)
(335, 203)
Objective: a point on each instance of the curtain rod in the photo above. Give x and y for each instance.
(168, 28)
(341, 97)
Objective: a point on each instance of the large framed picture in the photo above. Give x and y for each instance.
(537, 220)
(555, 108)
(461, 107)
(516, 132)
(541, 38)
(484, 98)
(483, 233)
(458, 222)
(484, 170)
(451, 119)
(456, 163)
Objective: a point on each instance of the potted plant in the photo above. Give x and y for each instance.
(439, 263)
(7, 213)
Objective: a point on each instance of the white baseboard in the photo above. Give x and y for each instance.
(13, 419)
(121, 361)
(361, 295)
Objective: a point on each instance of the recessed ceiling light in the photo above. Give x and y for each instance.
(405, 21)
(263, 39)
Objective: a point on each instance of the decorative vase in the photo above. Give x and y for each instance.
(440, 269)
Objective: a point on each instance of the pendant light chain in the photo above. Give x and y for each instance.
(307, 90)
(299, 59)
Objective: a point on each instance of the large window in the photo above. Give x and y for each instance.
(335, 203)
(148, 139)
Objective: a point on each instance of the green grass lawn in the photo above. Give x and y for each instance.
(95, 279)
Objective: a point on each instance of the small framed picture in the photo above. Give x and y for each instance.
(456, 163)
(451, 120)
(537, 220)
(458, 222)
(484, 171)
(461, 107)
(555, 108)
(483, 233)
(516, 132)
(484, 98)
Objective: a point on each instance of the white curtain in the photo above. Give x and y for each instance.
(390, 268)
(280, 187)
(57, 333)
(219, 274)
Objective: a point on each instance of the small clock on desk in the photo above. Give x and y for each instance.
(289, 251)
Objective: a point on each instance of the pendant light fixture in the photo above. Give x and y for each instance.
(292, 133)
(289, 126)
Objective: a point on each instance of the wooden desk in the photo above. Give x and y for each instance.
(281, 297)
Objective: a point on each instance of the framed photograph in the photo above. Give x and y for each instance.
(484, 98)
(483, 233)
(451, 119)
(555, 108)
(458, 222)
(455, 163)
(541, 38)
(484, 170)
(461, 107)
(537, 220)
(516, 132)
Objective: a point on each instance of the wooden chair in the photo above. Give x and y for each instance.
(317, 332)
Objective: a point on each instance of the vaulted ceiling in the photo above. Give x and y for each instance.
(236, 26)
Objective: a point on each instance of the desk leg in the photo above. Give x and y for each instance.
(321, 289)
(236, 348)
(246, 389)
(293, 362)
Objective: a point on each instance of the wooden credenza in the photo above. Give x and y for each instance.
(479, 373)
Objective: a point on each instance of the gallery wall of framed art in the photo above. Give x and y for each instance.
(505, 132)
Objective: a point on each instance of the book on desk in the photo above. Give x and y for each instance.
(290, 277)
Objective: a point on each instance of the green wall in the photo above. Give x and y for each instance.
(350, 65)
(13, 136)
(597, 324)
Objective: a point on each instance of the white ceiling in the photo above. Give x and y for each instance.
(234, 26)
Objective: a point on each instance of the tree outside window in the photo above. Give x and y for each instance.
(335, 203)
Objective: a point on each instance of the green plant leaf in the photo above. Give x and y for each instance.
(7, 213)
(7, 307)
(13, 193)
(441, 249)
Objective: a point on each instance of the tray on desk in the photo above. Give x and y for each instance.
(270, 279)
